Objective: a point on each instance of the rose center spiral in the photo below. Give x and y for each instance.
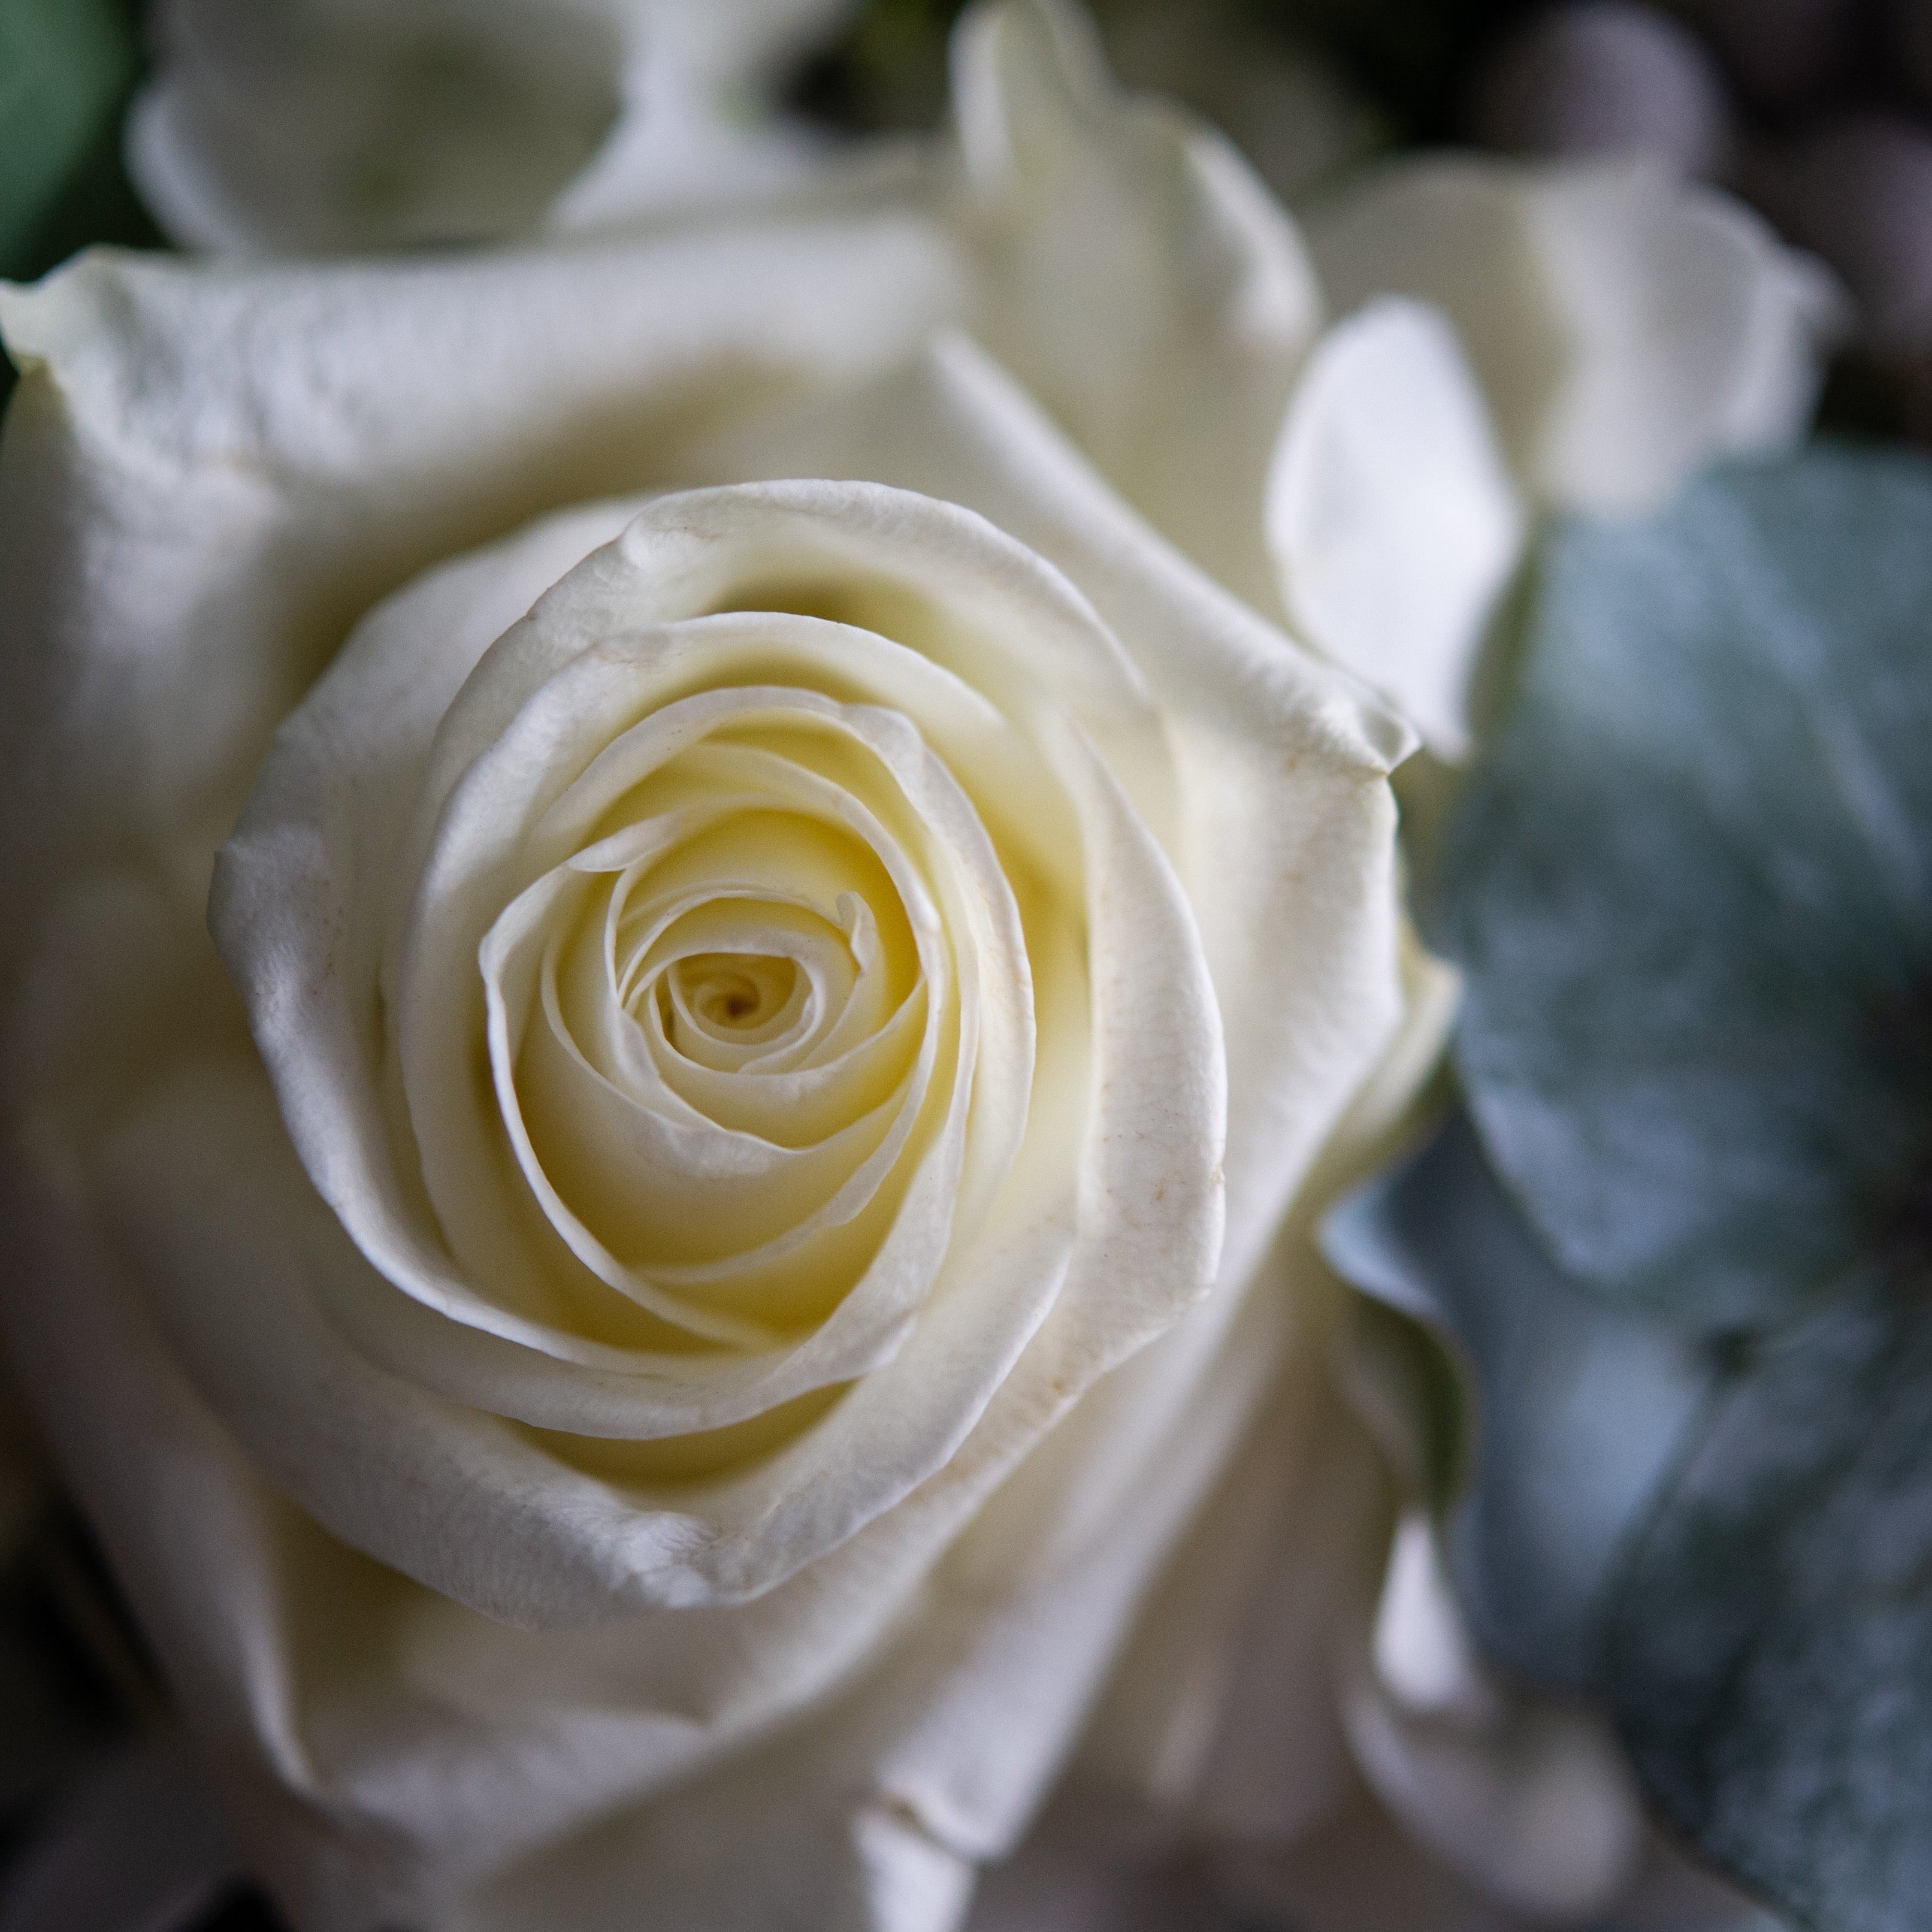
(729, 995)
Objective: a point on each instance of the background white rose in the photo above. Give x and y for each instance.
(1622, 328)
(342, 126)
(210, 475)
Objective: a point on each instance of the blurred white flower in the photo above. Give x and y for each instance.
(1288, 110)
(324, 127)
(1623, 328)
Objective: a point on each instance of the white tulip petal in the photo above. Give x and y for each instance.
(1627, 327)
(1393, 521)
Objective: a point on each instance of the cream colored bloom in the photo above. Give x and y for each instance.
(854, 1076)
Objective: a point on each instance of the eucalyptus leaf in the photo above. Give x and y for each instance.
(1690, 887)
(1580, 1408)
(1771, 1658)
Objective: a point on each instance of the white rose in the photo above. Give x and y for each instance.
(341, 126)
(854, 1077)
(1622, 329)
(812, 1655)
(654, 1383)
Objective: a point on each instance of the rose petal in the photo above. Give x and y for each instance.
(1280, 762)
(210, 475)
(1150, 1035)
(1139, 280)
(1393, 523)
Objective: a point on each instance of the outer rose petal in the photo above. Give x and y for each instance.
(1394, 526)
(342, 126)
(1627, 328)
(210, 474)
(1138, 278)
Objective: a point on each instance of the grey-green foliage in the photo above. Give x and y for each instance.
(1770, 1648)
(1691, 884)
(66, 67)
(1581, 1406)
(1688, 1269)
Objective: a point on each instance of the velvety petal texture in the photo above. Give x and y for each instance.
(776, 933)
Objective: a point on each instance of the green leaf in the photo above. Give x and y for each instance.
(1771, 1659)
(1581, 1407)
(66, 69)
(1691, 887)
